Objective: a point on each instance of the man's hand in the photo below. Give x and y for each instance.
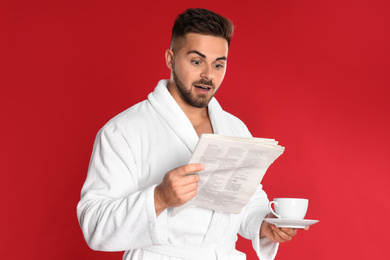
(275, 234)
(177, 187)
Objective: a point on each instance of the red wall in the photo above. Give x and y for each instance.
(312, 74)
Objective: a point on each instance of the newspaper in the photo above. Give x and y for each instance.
(234, 167)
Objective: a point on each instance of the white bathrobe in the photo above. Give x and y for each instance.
(131, 155)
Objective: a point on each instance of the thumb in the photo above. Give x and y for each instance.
(189, 168)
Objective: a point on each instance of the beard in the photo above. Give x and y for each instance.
(195, 100)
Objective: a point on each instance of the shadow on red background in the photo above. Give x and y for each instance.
(312, 74)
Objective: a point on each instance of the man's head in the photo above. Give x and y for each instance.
(198, 56)
(201, 21)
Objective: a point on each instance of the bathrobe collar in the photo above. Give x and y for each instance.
(167, 107)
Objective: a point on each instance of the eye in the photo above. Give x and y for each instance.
(196, 62)
(218, 66)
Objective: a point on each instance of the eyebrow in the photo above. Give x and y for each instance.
(204, 56)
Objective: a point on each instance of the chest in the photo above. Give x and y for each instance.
(202, 126)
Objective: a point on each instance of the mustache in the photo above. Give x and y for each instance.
(205, 82)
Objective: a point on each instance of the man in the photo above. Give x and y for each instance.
(138, 170)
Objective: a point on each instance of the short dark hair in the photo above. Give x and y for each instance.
(202, 21)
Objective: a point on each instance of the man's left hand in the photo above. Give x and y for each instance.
(276, 234)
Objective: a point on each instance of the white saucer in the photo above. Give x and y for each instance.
(291, 223)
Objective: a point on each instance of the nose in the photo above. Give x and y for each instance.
(207, 73)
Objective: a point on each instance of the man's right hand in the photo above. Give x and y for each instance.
(177, 187)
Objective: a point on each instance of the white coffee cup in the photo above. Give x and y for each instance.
(289, 208)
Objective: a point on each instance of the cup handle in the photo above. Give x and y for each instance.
(270, 208)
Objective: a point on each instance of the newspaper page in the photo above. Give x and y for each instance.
(234, 167)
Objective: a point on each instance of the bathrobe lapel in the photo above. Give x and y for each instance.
(166, 106)
(218, 118)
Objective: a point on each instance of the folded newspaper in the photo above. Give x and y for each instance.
(234, 168)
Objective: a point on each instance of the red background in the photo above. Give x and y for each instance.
(312, 74)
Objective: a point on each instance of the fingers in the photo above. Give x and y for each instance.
(182, 178)
(187, 169)
(289, 231)
(183, 189)
(283, 234)
(178, 186)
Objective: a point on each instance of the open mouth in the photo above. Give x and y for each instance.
(203, 87)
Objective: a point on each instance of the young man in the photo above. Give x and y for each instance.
(138, 169)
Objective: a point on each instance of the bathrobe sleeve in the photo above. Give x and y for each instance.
(254, 214)
(114, 213)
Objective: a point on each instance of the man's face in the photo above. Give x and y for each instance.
(198, 68)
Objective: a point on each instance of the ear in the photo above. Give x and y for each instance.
(169, 58)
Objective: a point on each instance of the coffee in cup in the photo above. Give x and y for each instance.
(289, 208)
